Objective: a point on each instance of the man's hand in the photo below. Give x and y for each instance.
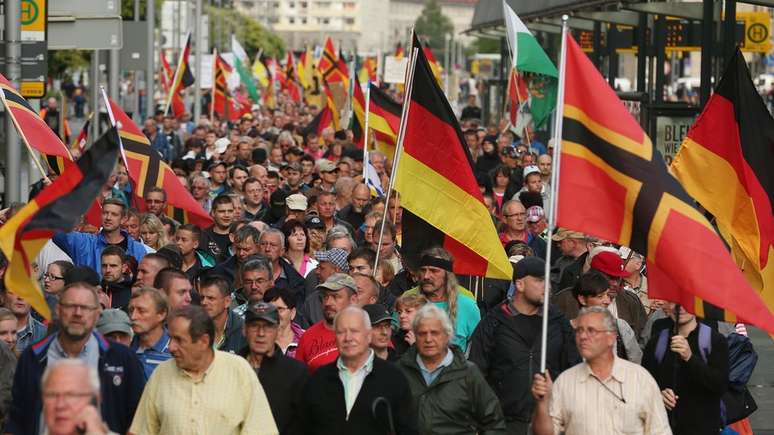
(670, 398)
(541, 387)
(679, 345)
(90, 422)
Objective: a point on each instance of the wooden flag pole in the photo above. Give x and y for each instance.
(365, 133)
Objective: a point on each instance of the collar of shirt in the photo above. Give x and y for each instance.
(203, 376)
(367, 367)
(160, 346)
(89, 353)
(513, 312)
(431, 375)
(27, 330)
(617, 372)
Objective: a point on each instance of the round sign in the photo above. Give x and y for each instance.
(29, 12)
(757, 33)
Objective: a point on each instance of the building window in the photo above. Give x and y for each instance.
(291, 20)
(291, 5)
(303, 20)
(349, 21)
(304, 5)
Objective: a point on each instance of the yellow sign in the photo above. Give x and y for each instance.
(33, 89)
(757, 31)
(33, 20)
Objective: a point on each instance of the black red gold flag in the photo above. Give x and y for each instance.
(442, 202)
(614, 185)
(726, 162)
(58, 207)
(358, 120)
(167, 77)
(384, 120)
(147, 169)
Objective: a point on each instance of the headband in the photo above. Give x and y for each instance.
(440, 263)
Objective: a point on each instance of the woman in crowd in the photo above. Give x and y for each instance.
(297, 247)
(289, 332)
(406, 307)
(152, 231)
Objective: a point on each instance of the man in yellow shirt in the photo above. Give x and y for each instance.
(202, 391)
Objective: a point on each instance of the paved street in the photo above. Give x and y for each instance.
(762, 383)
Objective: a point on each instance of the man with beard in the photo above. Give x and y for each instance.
(120, 373)
(116, 286)
(354, 213)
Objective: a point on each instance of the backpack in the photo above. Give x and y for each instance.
(737, 403)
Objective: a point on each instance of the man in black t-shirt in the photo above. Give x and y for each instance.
(215, 238)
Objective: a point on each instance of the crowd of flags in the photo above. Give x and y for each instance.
(614, 183)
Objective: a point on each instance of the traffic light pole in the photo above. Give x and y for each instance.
(13, 74)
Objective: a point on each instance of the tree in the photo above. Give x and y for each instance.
(250, 33)
(60, 61)
(433, 26)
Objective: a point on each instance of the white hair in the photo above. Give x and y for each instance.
(93, 376)
(432, 312)
(274, 232)
(607, 317)
(354, 310)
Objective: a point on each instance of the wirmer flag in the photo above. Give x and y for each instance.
(58, 207)
(726, 162)
(442, 202)
(223, 103)
(146, 170)
(614, 185)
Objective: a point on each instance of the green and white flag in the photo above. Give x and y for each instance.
(241, 62)
(529, 60)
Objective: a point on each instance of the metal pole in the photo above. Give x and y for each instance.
(13, 73)
(115, 74)
(659, 39)
(365, 133)
(707, 55)
(729, 30)
(136, 77)
(642, 51)
(150, 68)
(198, 68)
(95, 95)
(552, 212)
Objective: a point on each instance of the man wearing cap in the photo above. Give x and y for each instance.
(354, 213)
(295, 207)
(148, 310)
(317, 346)
(255, 206)
(329, 173)
(381, 331)
(329, 262)
(533, 182)
(283, 378)
(506, 344)
(115, 325)
(536, 221)
(566, 269)
(515, 220)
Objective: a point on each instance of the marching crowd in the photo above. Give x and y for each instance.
(280, 317)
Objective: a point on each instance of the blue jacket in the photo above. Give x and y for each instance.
(121, 380)
(86, 249)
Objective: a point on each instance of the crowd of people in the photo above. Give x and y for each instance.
(280, 317)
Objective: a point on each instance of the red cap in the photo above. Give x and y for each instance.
(609, 263)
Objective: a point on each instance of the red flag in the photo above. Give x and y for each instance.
(167, 76)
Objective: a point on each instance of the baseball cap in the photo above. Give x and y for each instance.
(530, 169)
(114, 320)
(377, 313)
(82, 274)
(609, 263)
(325, 165)
(529, 266)
(535, 213)
(294, 166)
(215, 164)
(564, 233)
(221, 145)
(262, 311)
(336, 256)
(296, 201)
(314, 223)
(338, 281)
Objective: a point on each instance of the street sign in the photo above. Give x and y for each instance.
(134, 54)
(757, 31)
(84, 33)
(33, 20)
(34, 67)
(85, 8)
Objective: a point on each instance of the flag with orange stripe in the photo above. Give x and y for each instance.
(147, 169)
(167, 77)
(613, 184)
(358, 121)
(384, 120)
(726, 162)
(442, 202)
(58, 207)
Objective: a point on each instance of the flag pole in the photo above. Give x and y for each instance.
(214, 87)
(114, 124)
(365, 133)
(554, 188)
(173, 85)
(399, 146)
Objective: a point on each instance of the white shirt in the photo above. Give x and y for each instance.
(353, 382)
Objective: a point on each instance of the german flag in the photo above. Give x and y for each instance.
(146, 170)
(183, 77)
(613, 184)
(56, 208)
(328, 116)
(726, 163)
(434, 65)
(367, 72)
(384, 120)
(167, 77)
(358, 121)
(442, 203)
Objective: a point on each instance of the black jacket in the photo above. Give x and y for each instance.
(699, 385)
(234, 340)
(509, 359)
(283, 380)
(119, 292)
(459, 401)
(325, 410)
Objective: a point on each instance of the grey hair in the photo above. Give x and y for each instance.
(199, 177)
(430, 311)
(93, 376)
(339, 232)
(276, 232)
(354, 310)
(257, 263)
(286, 136)
(607, 316)
(375, 153)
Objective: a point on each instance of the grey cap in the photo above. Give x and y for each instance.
(338, 281)
(114, 320)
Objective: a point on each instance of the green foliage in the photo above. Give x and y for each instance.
(486, 45)
(433, 25)
(251, 34)
(60, 61)
(127, 10)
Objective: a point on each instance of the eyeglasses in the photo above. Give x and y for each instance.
(515, 214)
(591, 332)
(49, 277)
(250, 282)
(75, 307)
(68, 396)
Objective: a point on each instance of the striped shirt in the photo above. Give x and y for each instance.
(627, 402)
